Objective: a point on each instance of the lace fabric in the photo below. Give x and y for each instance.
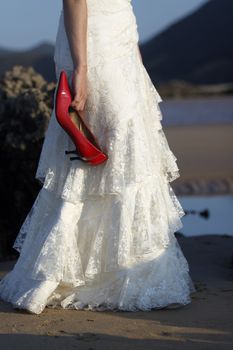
(102, 237)
(102, 253)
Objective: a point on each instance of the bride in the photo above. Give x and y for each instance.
(102, 237)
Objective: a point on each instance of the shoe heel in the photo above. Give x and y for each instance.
(80, 158)
(69, 152)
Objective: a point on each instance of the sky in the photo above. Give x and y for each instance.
(26, 23)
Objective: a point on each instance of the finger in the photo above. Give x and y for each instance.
(77, 106)
(82, 113)
(79, 102)
(77, 99)
(75, 103)
(82, 107)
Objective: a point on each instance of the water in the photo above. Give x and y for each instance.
(220, 220)
(208, 110)
(199, 111)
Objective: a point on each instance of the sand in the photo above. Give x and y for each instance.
(204, 157)
(206, 323)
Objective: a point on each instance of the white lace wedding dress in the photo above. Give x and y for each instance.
(102, 237)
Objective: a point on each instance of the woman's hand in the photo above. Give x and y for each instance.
(79, 84)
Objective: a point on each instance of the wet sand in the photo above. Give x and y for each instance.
(206, 323)
(204, 158)
(202, 150)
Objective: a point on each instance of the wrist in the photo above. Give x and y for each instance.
(80, 67)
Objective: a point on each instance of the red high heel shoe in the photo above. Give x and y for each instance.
(87, 147)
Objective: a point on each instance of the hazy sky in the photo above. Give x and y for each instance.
(24, 23)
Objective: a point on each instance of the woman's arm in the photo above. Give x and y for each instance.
(75, 18)
(75, 21)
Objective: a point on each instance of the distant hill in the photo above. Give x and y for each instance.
(40, 57)
(197, 49)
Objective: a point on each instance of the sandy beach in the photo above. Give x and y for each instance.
(206, 323)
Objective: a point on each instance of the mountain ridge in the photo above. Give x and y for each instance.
(40, 57)
(197, 49)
